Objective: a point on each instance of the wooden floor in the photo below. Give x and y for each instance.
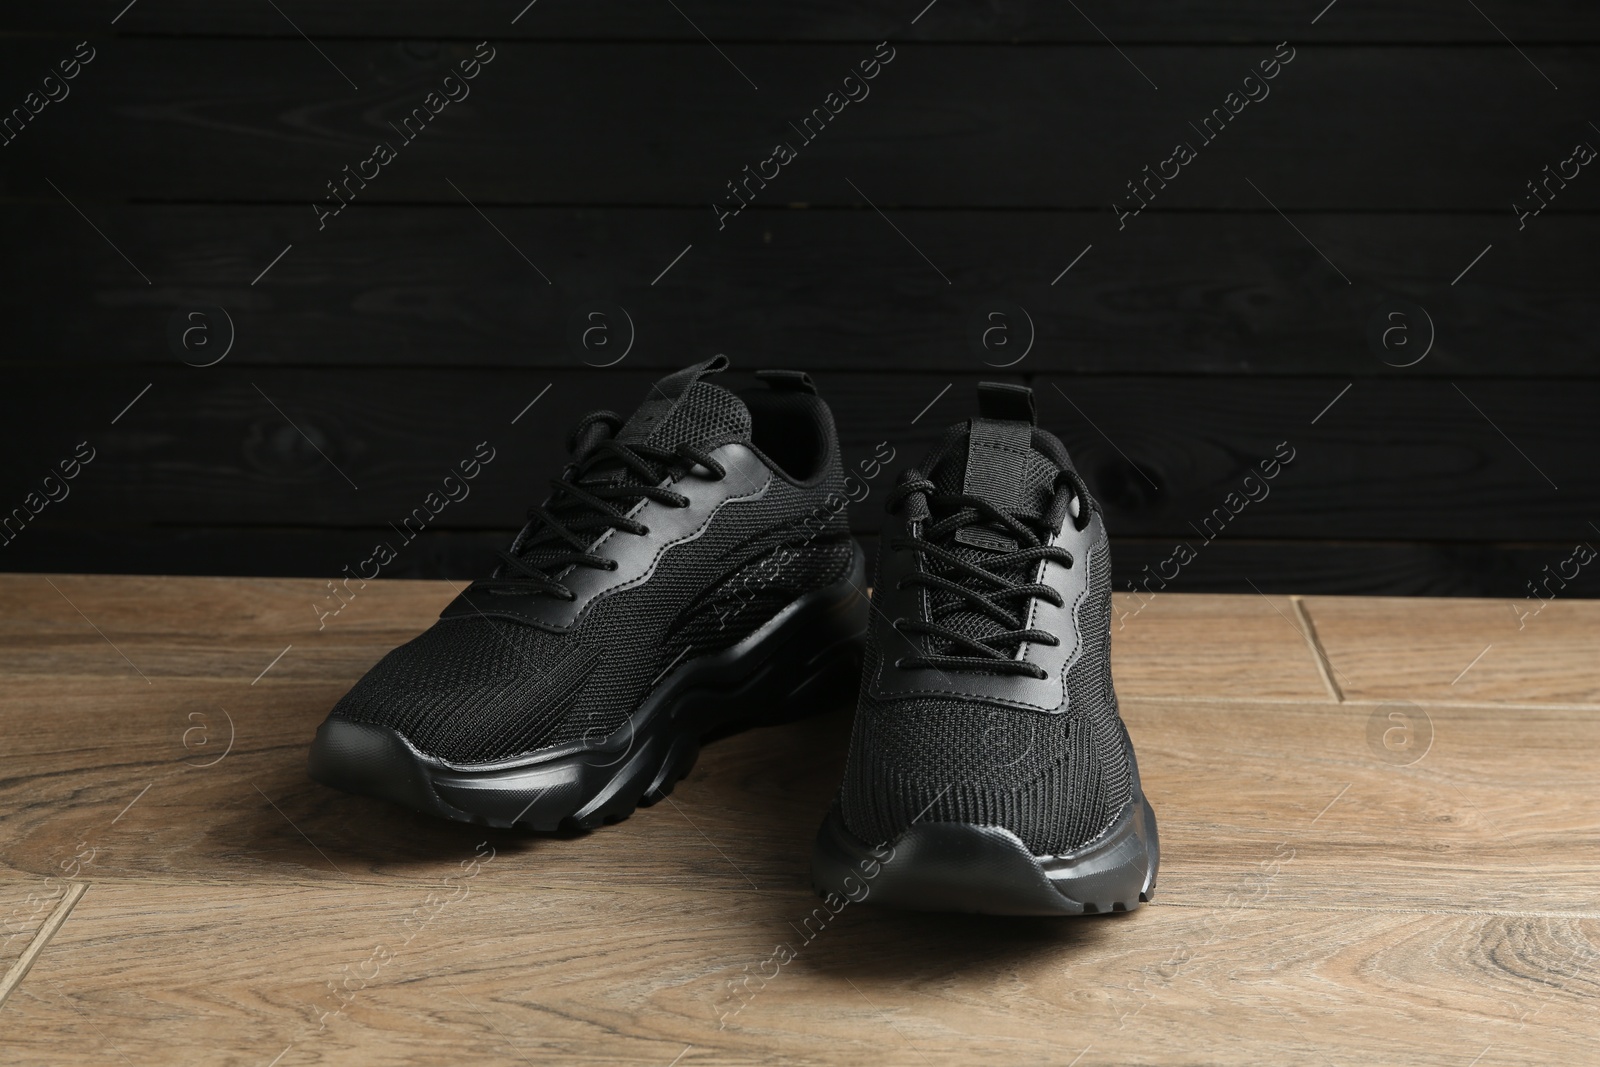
(1380, 826)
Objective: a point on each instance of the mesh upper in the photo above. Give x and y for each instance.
(708, 415)
(474, 689)
(1057, 781)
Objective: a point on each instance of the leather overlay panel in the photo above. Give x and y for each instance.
(636, 554)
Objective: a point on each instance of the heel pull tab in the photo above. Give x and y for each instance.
(1003, 401)
(788, 381)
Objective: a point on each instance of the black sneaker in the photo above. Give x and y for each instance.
(989, 770)
(692, 572)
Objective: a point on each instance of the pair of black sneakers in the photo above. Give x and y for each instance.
(692, 572)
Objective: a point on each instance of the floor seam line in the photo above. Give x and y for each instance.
(47, 929)
(1324, 664)
(1354, 702)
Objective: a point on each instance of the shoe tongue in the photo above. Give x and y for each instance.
(998, 463)
(683, 409)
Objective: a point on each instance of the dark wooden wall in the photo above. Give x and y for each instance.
(1180, 349)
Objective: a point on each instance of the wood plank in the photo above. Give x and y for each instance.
(503, 977)
(1246, 646)
(214, 610)
(1216, 293)
(831, 20)
(1390, 460)
(1243, 647)
(1537, 650)
(1057, 126)
(328, 641)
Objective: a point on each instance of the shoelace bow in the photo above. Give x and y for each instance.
(576, 513)
(992, 652)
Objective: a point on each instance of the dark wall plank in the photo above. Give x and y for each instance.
(1228, 565)
(1358, 568)
(724, 20)
(825, 290)
(1415, 128)
(1389, 460)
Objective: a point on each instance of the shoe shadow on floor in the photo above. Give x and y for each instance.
(760, 788)
(763, 784)
(872, 942)
(311, 825)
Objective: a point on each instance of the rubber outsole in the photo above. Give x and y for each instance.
(804, 660)
(961, 867)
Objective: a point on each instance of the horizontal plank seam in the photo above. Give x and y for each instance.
(1165, 902)
(1054, 39)
(47, 930)
(1145, 539)
(1278, 906)
(16, 200)
(1360, 702)
(1125, 693)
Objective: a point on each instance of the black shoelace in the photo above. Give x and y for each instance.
(991, 589)
(577, 513)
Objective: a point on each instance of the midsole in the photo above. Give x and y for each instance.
(1130, 826)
